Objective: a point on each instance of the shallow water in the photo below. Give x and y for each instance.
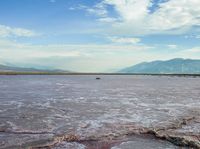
(34, 110)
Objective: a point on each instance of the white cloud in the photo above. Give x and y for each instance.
(134, 16)
(99, 9)
(192, 53)
(124, 40)
(107, 20)
(193, 50)
(6, 31)
(172, 46)
(130, 10)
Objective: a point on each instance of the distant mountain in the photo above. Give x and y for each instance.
(173, 66)
(5, 68)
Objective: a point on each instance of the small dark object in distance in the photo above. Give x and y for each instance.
(97, 78)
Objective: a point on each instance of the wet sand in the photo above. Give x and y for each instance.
(118, 112)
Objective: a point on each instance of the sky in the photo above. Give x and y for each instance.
(97, 35)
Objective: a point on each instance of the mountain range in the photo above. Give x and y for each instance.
(5, 68)
(173, 66)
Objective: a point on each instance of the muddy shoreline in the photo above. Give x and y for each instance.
(107, 141)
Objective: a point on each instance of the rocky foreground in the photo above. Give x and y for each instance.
(117, 112)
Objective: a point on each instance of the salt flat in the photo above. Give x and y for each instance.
(116, 112)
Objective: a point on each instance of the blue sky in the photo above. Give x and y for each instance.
(97, 35)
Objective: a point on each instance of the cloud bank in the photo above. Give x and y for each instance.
(141, 17)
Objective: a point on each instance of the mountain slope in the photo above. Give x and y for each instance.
(4, 68)
(173, 66)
